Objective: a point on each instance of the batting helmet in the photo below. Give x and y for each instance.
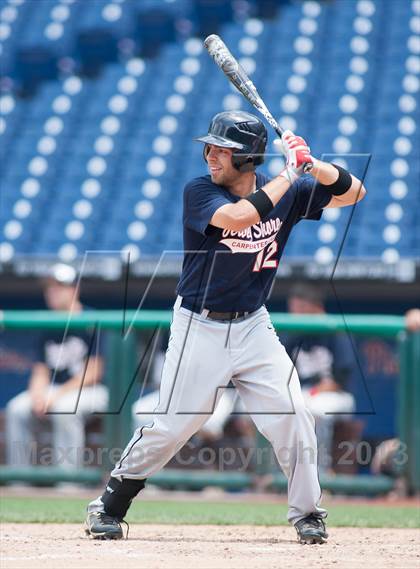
(241, 131)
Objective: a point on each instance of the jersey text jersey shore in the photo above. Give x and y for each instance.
(231, 271)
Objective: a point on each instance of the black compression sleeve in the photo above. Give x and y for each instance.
(118, 495)
(261, 202)
(342, 184)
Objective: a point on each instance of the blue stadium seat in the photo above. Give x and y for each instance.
(122, 149)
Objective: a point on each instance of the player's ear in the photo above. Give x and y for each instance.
(206, 151)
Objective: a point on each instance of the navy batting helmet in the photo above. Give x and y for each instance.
(242, 132)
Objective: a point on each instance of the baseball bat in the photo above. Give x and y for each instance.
(238, 77)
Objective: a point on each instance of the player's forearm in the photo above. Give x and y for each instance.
(243, 214)
(276, 188)
(90, 376)
(39, 380)
(324, 172)
(75, 383)
(327, 175)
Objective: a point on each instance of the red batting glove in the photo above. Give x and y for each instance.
(297, 154)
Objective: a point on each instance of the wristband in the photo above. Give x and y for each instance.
(261, 202)
(342, 184)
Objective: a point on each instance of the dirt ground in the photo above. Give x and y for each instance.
(206, 547)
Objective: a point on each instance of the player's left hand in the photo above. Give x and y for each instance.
(297, 153)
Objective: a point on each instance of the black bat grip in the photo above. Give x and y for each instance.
(279, 131)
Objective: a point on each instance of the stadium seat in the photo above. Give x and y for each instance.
(103, 160)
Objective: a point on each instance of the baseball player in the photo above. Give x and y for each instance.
(66, 376)
(236, 224)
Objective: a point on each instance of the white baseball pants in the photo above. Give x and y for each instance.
(203, 356)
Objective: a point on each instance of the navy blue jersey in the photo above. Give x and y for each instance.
(65, 353)
(320, 357)
(229, 271)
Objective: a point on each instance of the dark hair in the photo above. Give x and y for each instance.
(306, 291)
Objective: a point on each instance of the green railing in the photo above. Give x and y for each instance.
(123, 359)
(146, 319)
(409, 406)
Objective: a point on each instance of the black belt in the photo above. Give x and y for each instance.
(223, 316)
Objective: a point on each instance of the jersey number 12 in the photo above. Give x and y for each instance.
(265, 259)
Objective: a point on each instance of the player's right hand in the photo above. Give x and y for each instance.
(297, 153)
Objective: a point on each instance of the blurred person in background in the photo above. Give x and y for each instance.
(324, 363)
(412, 319)
(390, 456)
(64, 386)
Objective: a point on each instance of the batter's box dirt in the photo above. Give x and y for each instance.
(206, 547)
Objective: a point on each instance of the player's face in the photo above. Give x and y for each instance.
(58, 296)
(220, 166)
(298, 305)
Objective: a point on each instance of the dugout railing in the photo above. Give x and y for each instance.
(123, 367)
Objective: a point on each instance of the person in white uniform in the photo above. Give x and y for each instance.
(236, 223)
(65, 384)
(324, 362)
